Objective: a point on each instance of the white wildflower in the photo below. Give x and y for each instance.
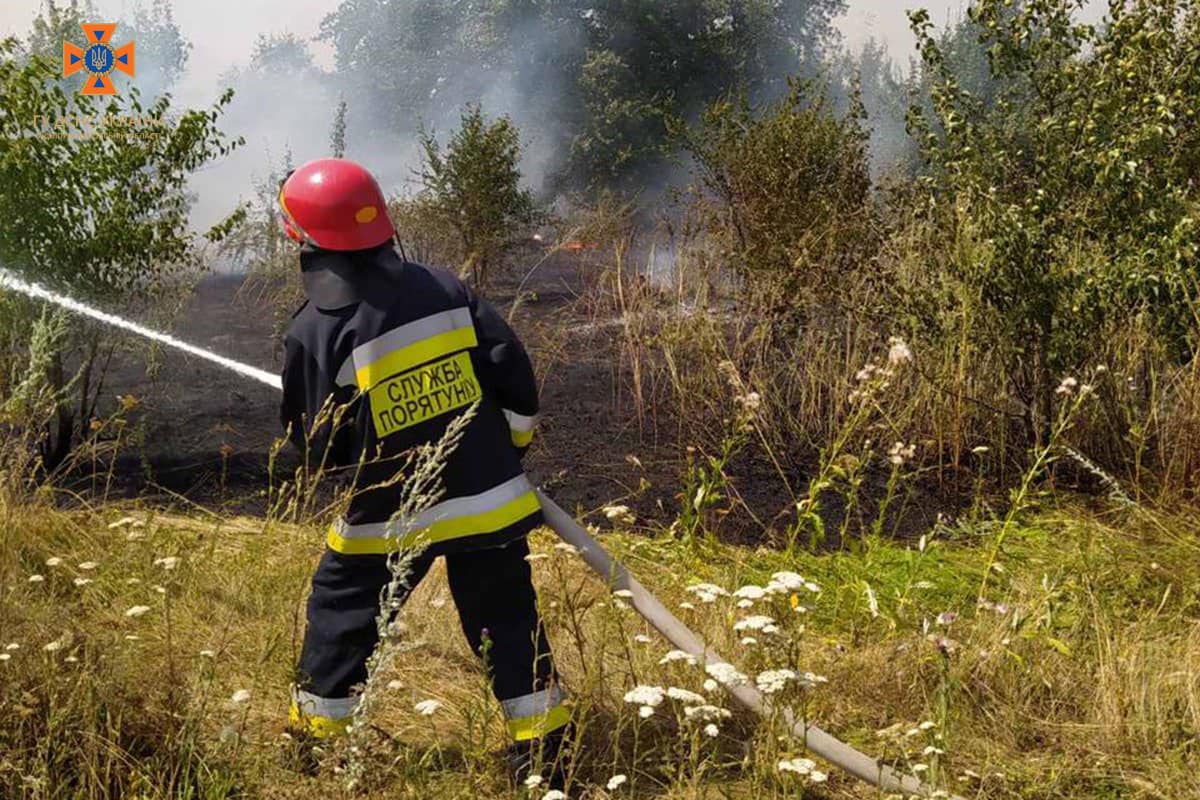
(88, 565)
(208, 654)
(534, 781)
(167, 562)
(749, 641)
(706, 712)
(1067, 386)
(395, 685)
(685, 695)
(788, 581)
(53, 646)
(816, 776)
(5, 656)
(757, 622)
(678, 655)
(642, 638)
(799, 766)
(927, 725)
(725, 673)
(554, 794)
(53, 561)
(241, 696)
(37, 578)
(645, 696)
(745, 604)
(645, 712)
(615, 782)
(898, 352)
(750, 592)
(707, 592)
(810, 679)
(623, 593)
(137, 611)
(712, 730)
(710, 685)
(687, 606)
(774, 680)
(427, 708)
(12, 646)
(82, 581)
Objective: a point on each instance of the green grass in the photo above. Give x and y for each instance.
(1080, 680)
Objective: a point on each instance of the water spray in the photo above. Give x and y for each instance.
(612, 572)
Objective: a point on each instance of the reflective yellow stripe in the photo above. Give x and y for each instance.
(535, 727)
(317, 726)
(413, 355)
(440, 531)
(522, 438)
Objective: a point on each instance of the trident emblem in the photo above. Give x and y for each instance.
(99, 59)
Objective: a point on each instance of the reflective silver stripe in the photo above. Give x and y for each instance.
(532, 705)
(413, 332)
(520, 422)
(329, 707)
(346, 376)
(451, 509)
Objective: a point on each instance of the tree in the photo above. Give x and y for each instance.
(95, 204)
(475, 185)
(1076, 180)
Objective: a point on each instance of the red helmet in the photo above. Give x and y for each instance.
(336, 205)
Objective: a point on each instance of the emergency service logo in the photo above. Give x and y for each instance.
(99, 59)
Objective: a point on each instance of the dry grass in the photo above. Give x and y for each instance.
(1082, 680)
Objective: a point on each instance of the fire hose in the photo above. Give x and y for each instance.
(816, 740)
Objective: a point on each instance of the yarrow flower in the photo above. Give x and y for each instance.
(706, 712)
(615, 782)
(898, 352)
(645, 696)
(685, 695)
(53, 561)
(707, 592)
(773, 681)
(554, 794)
(137, 611)
(678, 655)
(750, 592)
(726, 673)
(784, 582)
(241, 696)
(534, 781)
(798, 766)
(167, 562)
(758, 622)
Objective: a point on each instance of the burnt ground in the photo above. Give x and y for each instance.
(204, 435)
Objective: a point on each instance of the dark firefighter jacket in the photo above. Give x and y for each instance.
(383, 356)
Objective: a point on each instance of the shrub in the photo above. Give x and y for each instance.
(475, 186)
(790, 183)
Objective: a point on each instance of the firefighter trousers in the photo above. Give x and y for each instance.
(493, 591)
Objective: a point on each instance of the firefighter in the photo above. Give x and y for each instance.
(400, 350)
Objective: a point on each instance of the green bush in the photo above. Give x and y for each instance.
(475, 187)
(790, 185)
(94, 204)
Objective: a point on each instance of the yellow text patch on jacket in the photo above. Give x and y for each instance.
(425, 393)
